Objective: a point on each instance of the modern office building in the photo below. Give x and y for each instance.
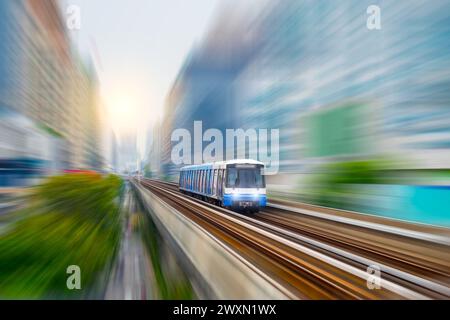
(43, 79)
(205, 89)
(336, 89)
(128, 151)
(369, 91)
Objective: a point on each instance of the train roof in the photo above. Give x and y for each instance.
(234, 161)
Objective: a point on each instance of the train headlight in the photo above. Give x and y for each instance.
(255, 195)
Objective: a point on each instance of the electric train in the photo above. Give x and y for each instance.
(234, 184)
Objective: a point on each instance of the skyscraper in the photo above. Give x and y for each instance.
(44, 79)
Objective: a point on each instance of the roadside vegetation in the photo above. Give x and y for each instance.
(71, 219)
(329, 187)
(339, 184)
(171, 282)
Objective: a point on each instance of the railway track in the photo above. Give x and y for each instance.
(314, 259)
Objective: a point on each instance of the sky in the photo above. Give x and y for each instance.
(138, 48)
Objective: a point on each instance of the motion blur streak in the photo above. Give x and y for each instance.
(328, 260)
(361, 116)
(48, 96)
(69, 220)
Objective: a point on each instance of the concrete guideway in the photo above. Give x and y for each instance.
(396, 277)
(220, 273)
(418, 253)
(411, 230)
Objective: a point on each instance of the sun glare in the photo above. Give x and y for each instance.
(123, 113)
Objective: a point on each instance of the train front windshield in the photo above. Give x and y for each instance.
(245, 177)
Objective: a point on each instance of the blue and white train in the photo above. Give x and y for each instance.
(234, 184)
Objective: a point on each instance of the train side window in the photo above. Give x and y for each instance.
(216, 181)
(202, 177)
(212, 181)
(205, 184)
(214, 184)
(195, 180)
(199, 175)
(219, 183)
(203, 181)
(224, 174)
(223, 180)
(209, 181)
(208, 184)
(188, 178)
